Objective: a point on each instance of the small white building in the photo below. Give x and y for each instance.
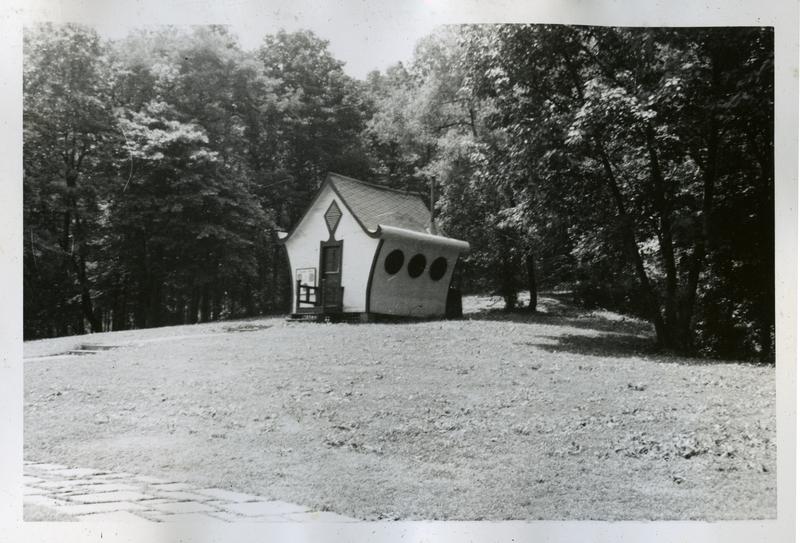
(369, 250)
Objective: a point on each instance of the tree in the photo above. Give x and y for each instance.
(637, 119)
(313, 126)
(631, 165)
(68, 130)
(187, 217)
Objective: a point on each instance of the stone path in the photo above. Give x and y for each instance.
(96, 495)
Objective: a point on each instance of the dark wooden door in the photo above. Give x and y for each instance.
(330, 266)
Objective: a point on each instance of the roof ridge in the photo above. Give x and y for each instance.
(379, 187)
(373, 205)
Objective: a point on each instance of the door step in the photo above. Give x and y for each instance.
(303, 317)
(331, 317)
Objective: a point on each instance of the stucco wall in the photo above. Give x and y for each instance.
(358, 249)
(400, 294)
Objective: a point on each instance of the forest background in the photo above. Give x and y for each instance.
(631, 167)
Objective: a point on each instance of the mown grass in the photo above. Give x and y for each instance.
(557, 415)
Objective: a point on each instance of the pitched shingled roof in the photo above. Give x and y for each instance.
(373, 205)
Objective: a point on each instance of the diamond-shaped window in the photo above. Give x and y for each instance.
(332, 216)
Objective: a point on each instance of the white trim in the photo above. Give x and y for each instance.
(392, 232)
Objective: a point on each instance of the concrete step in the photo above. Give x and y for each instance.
(317, 317)
(303, 317)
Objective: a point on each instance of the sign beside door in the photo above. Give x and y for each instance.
(307, 276)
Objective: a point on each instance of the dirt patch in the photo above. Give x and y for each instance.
(247, 327)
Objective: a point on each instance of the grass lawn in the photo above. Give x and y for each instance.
(560, 415)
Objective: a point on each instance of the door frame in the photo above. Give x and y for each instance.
(323, 274)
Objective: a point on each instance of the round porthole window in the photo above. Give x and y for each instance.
(416, 265)
(394, 261)
(438, 268)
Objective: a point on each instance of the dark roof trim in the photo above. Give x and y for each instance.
(381, 229)
(329, 181)
(349, 209)
(313, 201)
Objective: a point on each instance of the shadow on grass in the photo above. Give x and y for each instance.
(627, 346)
(616, 336)
(566, 316)
(610, 345)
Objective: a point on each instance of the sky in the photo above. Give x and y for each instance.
(372, 34)
(366, 35)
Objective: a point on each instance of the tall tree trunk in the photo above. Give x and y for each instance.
(143, 283)
(205, 305)
(472, 123)
(78, 261)
(766, 211)
(629, 241)
(120, 309)
(153, 303)
(182, 312)
(698, 256)
(91, 316)
(194, 305)
(666, 249)
(530, 268)
(140, 310)
(65, 237)
(703, 241)
(217, 302)
(249, 299)
(629, 234)
(508, 288)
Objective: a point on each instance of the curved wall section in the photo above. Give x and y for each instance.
(410, 291)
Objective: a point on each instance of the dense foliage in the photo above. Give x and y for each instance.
(631, 166)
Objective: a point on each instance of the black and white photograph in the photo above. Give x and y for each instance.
(505, 272)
